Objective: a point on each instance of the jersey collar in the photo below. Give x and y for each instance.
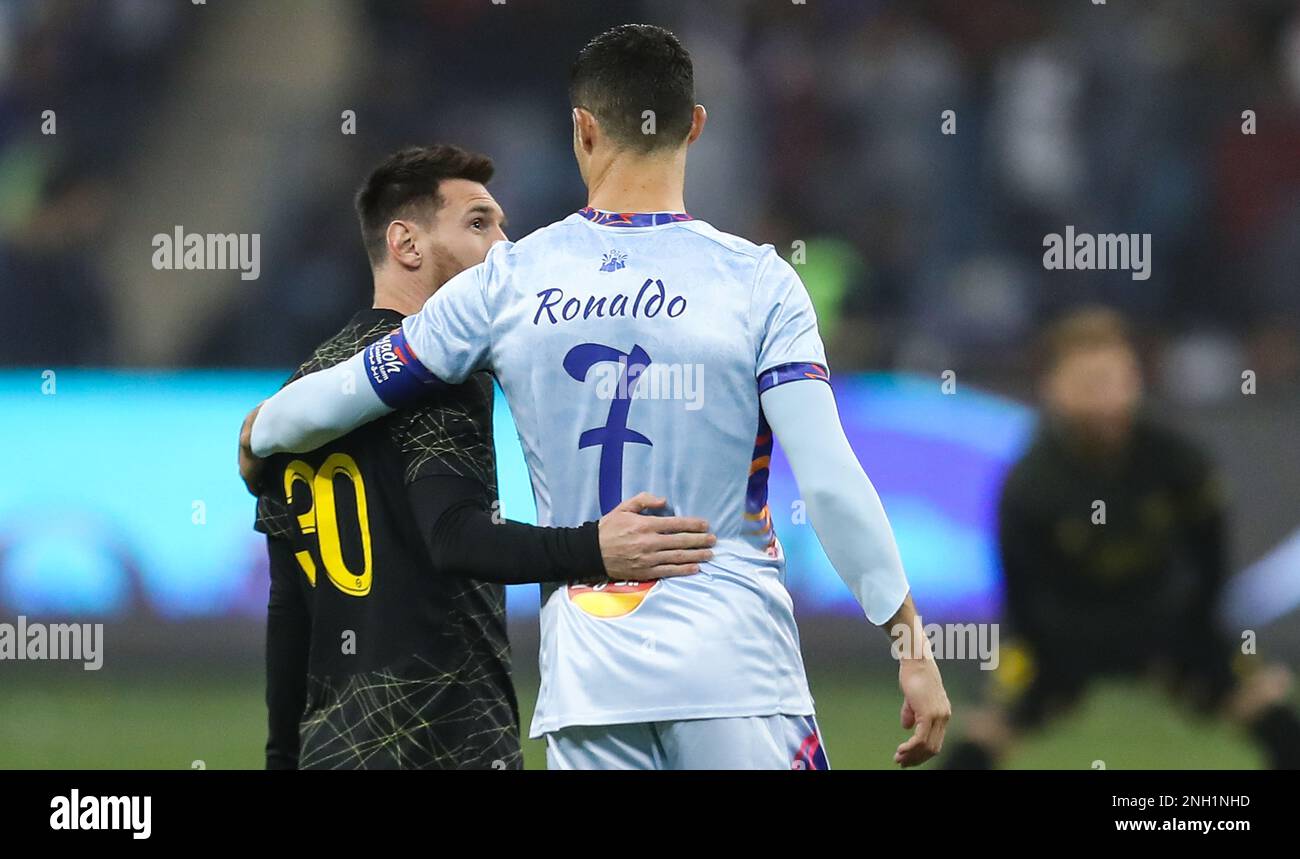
(632, 219)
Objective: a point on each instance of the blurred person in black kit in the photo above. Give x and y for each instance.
(1113, 538)
(386, 633)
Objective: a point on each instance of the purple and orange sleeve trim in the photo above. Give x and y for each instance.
(794, 372)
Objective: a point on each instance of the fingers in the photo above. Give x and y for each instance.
(665, 542)
(250, 466)
(919, 747)
(642, 501)
(677, 524)
(925, 742)
(937, 735)
(925, 706)
(908, 745)
(250, 469)
(681, 556)
(906, 755)
(666, 565)
(669, 571)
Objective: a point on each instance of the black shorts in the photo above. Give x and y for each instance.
(1039, 680)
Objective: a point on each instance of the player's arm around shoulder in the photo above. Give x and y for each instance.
(443, 343)
(312, 411)
(450, 337)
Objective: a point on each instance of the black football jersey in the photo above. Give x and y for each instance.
(406, 666)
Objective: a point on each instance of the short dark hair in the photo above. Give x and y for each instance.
(407, 181)
(628, 70)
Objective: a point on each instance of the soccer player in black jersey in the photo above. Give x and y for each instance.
(386, 635)
(1135, 593)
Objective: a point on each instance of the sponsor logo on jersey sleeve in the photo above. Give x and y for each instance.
(395, 373)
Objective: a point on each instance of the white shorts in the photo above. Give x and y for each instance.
(744, 743)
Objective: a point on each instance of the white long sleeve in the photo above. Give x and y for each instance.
(451, 331)
(317, 408)
(842, 505)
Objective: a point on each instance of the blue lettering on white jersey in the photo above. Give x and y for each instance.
(631, 349)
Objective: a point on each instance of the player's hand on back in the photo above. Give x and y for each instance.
(639, 547)
(250, 466)
(925, 708)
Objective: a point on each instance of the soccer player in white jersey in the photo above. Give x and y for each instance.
(592, 326)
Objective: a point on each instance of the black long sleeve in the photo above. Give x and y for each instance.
(1024, 558)
(1207, 547)
(288, 641)
(463, 540)
(1205, 535)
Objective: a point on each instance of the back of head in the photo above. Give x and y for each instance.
(629, 70)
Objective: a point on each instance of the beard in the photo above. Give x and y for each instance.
(443, 267)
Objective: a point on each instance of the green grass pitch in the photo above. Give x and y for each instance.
(97, 722)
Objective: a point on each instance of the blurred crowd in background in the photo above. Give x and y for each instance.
(923, 250)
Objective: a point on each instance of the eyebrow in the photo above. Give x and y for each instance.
(485, 209)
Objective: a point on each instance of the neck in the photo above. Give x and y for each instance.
(1093, 446)
(635, 183)
(400, 291)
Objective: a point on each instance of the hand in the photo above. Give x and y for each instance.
(640, 548)
(925, 708)
(250, 466)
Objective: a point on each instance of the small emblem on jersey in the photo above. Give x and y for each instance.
(613, 261)
(610, 599)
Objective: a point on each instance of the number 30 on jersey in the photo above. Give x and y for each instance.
(321, 519)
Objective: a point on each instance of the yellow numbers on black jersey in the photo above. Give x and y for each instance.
(320, 518)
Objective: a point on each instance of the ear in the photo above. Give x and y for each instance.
(585, 129)
(401, 245)
(699, 116)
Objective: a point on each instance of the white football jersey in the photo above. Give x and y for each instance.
(632, 349)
